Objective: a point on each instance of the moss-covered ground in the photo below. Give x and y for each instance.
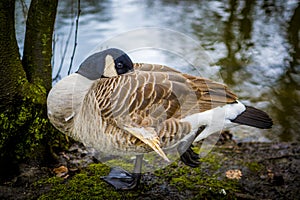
(199, 182)
(229, 171)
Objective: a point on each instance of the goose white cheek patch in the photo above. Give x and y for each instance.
(109, 69)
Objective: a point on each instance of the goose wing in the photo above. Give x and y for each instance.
(210, 94)
(153, 67)
(149, 104)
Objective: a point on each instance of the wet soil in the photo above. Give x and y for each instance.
(263, 170)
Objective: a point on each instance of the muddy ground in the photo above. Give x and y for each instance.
(244, 171)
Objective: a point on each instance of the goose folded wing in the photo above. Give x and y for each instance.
(150, 104)
(153, 68)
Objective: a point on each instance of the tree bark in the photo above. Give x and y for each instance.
(11, 70)
(25, 132)
(38, 42)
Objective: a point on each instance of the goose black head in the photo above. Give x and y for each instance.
(108, 63)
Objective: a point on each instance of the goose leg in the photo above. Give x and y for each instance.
(123, 180)
(190, 158)
(187, 155)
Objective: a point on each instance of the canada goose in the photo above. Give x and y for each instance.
(119, 107)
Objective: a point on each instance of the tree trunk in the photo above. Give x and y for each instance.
(38, 42)
(25, 131)
(10, 65)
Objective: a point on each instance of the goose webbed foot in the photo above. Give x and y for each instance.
(122, 180)
(190, 158)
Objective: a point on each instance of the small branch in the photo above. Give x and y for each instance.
(53, 51)
(24, 9)
(75, 42)
(280, 157)
(64, 53)
(58, 75)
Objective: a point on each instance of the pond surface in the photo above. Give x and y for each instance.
(253, 47)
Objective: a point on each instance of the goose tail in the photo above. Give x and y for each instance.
(254, 117)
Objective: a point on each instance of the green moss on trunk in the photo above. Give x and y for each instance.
(26, 133)
(38, 42)
(11, 69)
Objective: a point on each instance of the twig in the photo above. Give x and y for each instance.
(53, 51)
(64, 53)
(24, 9)
(57, 76)
(280, 157)
(75, 42)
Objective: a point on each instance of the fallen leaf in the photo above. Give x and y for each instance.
(61, 171)
(234, 174)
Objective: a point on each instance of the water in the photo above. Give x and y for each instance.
(253, 47)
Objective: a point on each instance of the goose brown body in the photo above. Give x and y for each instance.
(154, 97)
(118, 108)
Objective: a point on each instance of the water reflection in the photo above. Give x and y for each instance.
(254, 43)
(230, 63)
(287, 90)
(293, 36)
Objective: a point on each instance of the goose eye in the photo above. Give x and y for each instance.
(120, 65)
